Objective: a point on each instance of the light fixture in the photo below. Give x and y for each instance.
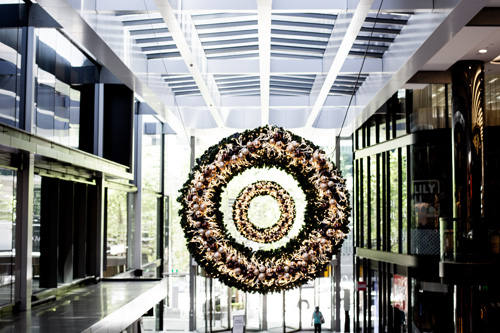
(496, 61)
(483, 51)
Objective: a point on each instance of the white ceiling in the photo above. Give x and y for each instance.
(306, 65)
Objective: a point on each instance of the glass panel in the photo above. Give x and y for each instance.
(149, 227)
(37, 195)
(254, 312)
(61, 70)
(151, 154)
(372, 132)
(220, 309)
(492, 100)
(400, 116)
(10, 62)
(381, 194)
(116, 232)
(202, 304)
(399, 302)
(308, 303)
(433, 308)
(374, 302)
(346, 267)
(404, 202)
(359, 138)
(292, 310)
(176, 163)
(275, 312)
(237, 303)
(177, 304)
(7, 235)
(394, 201)
(432, 194)
(373, 202)
(323, 286)
(429, 108)
(365, 199)
(382, 127)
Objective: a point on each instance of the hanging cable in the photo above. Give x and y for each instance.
(166, 72)
(358, 77)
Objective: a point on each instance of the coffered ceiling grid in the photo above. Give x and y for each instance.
(266, 50)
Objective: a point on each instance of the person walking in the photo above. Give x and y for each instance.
(317, 320)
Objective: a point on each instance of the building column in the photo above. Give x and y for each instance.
(468, 185)
(192, 262)
(137, 238)
(25, 176)
(468, 146)
(24, 232)
(96, 251)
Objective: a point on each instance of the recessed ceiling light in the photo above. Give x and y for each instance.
(483, 50)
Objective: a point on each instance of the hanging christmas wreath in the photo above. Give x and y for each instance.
(274, 232)
(303, 257)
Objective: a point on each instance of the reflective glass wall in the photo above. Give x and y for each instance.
(7, 235)
(61, 70)
(10, 75)
(117, 220)
(403, 168)
(152, 168)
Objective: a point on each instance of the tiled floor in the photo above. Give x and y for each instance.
(109, 306)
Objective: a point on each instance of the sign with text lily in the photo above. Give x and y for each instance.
(426, 201)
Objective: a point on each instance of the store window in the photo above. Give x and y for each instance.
(7, 235)
(61, 69)
(364, 217)
(399, 116)
(374, 194)
(431, 195)
(37, 209)
(10, 62)
(430, 108)
(394, 201)
(404, 200)
(152, 153)
(116, 233)
(152, 192)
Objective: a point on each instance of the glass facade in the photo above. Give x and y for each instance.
(117, 212)
(10, 75)
(61, 70)
(37, 212)
(152, 192)
(7, 235)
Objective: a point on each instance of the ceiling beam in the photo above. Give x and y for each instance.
(193, 55)
(290, 6)
(252, 66)
(347, 28)
(264, 27)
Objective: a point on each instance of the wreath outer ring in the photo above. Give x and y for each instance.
(302, 258)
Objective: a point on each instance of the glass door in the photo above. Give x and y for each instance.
(217, 304)
(274, 312)
(220, 310)
(292, 310)
(254, 313)
(176, 313)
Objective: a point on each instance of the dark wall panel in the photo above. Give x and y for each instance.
(118, 124)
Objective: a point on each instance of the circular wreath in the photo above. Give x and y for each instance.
(299, 260)
(264, 235)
